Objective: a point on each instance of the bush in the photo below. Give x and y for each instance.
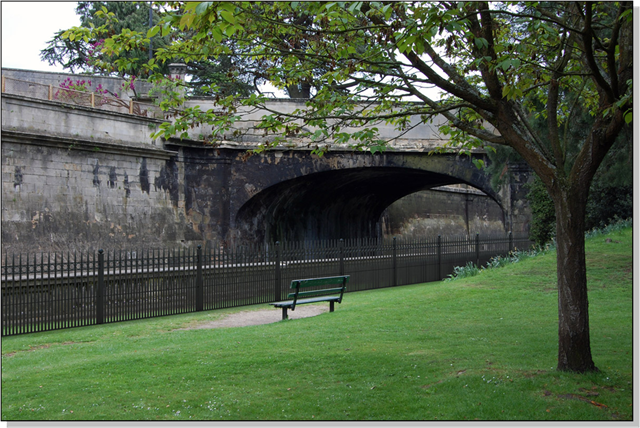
(471, 269)
(543, 222)
(468, 270)
(516, 256)
(607, 204)
(615, 226)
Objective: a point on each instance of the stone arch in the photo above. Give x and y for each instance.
(343, 203)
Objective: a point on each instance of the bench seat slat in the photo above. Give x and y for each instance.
(316, 292)
(289, 303)
(332, 280)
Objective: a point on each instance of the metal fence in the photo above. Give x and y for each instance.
(80, 98)
(43, 292)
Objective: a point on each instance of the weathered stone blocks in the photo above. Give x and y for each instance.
(60, 195)
(82, 179)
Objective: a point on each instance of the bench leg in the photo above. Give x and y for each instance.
(284, 313)
(331, 306)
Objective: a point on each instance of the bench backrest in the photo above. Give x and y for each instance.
(297, 284)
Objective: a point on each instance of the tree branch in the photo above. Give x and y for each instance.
(587, 35)
(486, 31)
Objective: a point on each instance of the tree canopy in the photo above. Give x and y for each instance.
(78, 54)
(85, 54)
(490, 68)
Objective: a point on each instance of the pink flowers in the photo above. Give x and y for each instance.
(94, 52)
(69, 87)
(130, 84)
(82, 86)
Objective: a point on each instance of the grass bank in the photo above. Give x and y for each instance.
(475, 348)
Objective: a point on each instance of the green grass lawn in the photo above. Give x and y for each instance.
(476, 348)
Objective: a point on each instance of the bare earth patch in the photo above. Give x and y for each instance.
(263, 316)
(35, 348)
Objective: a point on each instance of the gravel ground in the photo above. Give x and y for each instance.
(263, 316)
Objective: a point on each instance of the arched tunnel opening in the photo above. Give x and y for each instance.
(330, 205)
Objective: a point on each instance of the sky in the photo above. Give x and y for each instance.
(26, 28)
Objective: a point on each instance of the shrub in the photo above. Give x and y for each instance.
(543, 222)
(471, 269)
(607, 204)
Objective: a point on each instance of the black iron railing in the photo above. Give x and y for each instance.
(43, 292)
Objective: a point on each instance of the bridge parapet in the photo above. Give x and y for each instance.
(83, 93)
(48, 78)
(53, 119)
(420, 137)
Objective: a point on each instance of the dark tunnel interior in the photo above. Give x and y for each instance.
(330, 205)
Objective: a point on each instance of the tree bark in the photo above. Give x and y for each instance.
(574, 348)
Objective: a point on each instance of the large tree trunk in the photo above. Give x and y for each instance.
(574, 349)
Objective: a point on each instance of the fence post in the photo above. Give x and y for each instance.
(341, 249)
(278, 277)
(100, 290)
(510, 242)
(439, 258)
(477, 250)
(50, 92)
(395, 263)
(199, 280)
(130, 106)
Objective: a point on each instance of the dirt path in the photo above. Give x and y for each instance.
(263, 316)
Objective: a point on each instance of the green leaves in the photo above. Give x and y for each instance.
(507, 63)
(217, 34)
(412, 42)
(354, 6)
(511, 92)
(228, 16)
(202, 7)
(77, 34)
(153, 31)
(481, 42)
(479, 163)
(186, 20)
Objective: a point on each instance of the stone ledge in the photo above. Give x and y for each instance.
(21, 137)
(93, 111)
(299, 145)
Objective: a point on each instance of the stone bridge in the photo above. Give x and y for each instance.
(81, 177)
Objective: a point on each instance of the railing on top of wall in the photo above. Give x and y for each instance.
(94, 99)
(43, 292)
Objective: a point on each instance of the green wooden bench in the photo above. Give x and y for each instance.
(298, 297)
